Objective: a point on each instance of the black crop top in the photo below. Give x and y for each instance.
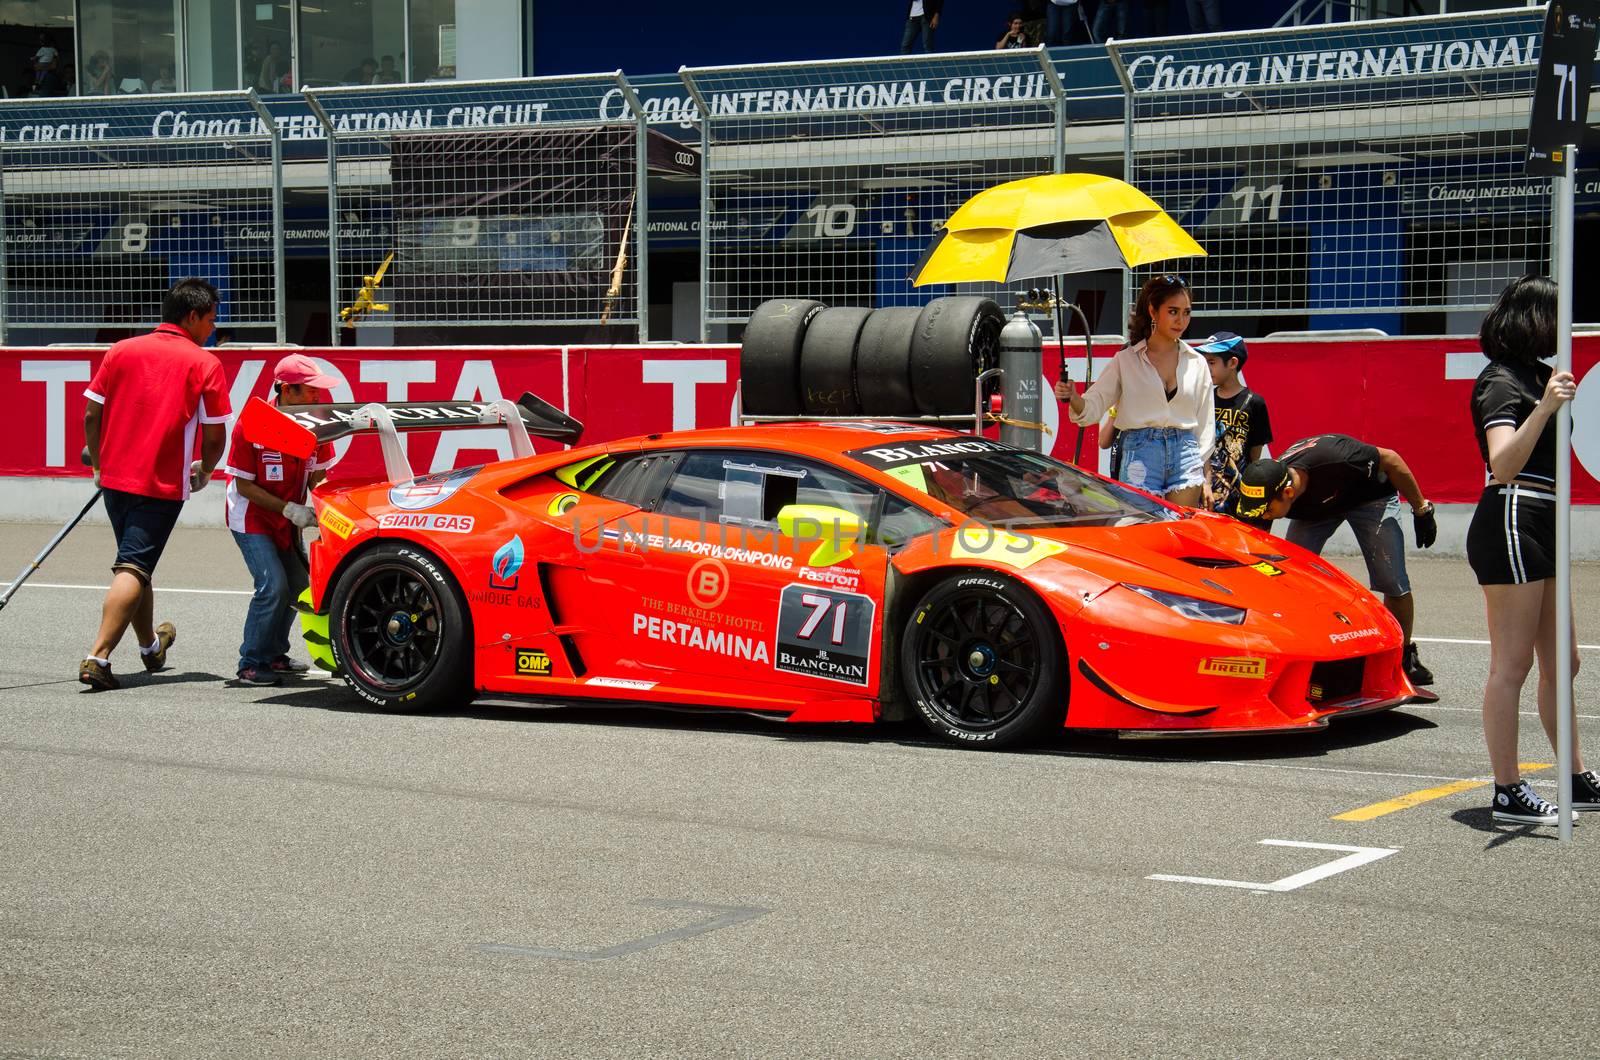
(1505, 395)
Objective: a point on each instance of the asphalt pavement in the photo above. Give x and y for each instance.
(192, 869)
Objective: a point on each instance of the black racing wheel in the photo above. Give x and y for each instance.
(982, 660)
(398, 628)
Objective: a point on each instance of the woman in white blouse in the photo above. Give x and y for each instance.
(1162, 392)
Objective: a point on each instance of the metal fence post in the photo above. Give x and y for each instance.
(333, 216)
(1127, 164)
(5, 257)
(1058, 160)
(280, 292)
(641, 212)
(703, 113)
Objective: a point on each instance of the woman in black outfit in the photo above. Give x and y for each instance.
(1511, 542)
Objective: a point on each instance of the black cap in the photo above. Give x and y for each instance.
(1260, 485)
(1224, 344)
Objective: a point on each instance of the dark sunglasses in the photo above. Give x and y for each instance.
(1173, 281)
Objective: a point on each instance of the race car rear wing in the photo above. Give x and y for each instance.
(527, 416)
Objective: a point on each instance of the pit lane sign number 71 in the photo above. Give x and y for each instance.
(1561, 93)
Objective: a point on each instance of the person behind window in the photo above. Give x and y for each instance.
(387, 73)
(97, 75)
(922, 18)
(164, 81)
(273, 69)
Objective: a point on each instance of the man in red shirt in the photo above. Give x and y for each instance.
(266, 512)
(150, 398)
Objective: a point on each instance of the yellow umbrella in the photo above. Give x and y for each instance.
(1059, 224)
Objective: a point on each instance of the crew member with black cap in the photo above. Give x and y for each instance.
(1330, 479)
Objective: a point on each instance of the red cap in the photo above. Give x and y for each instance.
(298, 368)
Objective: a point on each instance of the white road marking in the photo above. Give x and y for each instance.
(1357, 857)
(1457, 640)
(159, 589)
(1479, 710)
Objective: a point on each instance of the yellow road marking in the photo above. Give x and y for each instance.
(1417, 798)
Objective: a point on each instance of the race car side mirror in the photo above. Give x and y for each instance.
(836, 531)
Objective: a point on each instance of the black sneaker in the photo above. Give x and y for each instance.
(254, 678)
(1417, 673)
(1520, 803)
(1586, 790)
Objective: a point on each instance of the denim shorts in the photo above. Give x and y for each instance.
(1377, 528)
(1161, 459)
(142, 525)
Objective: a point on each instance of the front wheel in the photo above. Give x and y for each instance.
(399, 631)
(981, 659)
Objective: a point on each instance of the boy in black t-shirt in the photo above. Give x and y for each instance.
(1330, 479)
(1243, 426)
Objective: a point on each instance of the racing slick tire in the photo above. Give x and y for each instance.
(399, 632)
(982, 661)
(883, 362)
(769, 358)
(828, 362)
(955, 339)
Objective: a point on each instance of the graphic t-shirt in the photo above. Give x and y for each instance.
(1242, 424)
(1342, 474)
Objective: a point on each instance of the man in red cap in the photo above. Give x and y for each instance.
(149, 399)
(266, 511)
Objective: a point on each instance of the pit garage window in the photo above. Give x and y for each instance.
(743, 487)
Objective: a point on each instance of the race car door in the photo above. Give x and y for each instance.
(726, 597)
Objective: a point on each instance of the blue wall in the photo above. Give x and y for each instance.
(644, 38)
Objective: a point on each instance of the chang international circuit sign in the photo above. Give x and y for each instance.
(1155, 73)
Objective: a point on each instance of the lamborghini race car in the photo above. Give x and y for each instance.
(832, 572)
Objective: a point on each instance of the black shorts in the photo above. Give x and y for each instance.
(142, 525)
(1512, 539)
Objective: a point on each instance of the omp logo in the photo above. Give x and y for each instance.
(1240, 666)
(532, 663)
(335, 523)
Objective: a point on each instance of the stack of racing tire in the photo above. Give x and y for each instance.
(801, 358)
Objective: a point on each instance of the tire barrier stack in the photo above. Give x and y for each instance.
(801, 358)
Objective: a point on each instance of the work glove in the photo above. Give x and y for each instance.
(198, 476)
(299, 514)
(1426, 526)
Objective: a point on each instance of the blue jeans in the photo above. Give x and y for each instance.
(1062, 25)
(1109, 12)
(1161, 459)
(1205, 16)
(1377, 529)
(280, 576)
(909, 37)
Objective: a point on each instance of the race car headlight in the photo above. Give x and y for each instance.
(1192, 607)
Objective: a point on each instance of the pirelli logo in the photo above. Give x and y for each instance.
(335, 523)
(1239, 666)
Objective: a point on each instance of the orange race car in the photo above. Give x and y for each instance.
(826, 572)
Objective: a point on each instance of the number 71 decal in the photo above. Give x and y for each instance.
(825, 633)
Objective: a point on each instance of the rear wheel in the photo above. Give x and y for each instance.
(398, 628)
(982, 660)
(769, 359)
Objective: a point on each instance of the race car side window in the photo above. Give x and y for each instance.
(637, 479)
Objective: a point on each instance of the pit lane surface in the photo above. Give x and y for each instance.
(189, 869)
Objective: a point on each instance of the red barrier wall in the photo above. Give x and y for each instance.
(1410, 395)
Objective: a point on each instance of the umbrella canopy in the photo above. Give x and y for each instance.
(1059, 224)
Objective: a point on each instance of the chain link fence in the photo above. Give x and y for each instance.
(487, 203)
(109, 201)
(829, 180)
(1346, 169)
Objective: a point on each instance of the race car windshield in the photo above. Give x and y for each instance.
(1017, 488)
